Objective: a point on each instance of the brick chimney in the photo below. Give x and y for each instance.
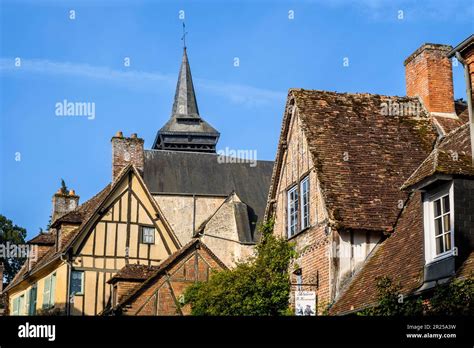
(64, 202)
(429, 75)
(125, 151)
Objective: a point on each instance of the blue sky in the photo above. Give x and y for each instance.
(82, 60)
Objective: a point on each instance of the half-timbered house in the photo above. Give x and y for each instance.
(158, 201)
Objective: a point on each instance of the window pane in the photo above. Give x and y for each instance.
(76, 282)
(447, 241)
(439, 245)
(445, 204)
(447, 223)
(305, 203)
(437, 207)
(438, 226)
(292, 211)
(148, 235)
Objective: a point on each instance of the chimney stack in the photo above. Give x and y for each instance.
(429, 75)
(64, 202)
(127, 151)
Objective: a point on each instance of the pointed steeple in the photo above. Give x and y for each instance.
(186, 130)
(185, 104)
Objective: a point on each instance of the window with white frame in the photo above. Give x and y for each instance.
(148, 235)
(439, 224)
(304, 189)
(292, 211)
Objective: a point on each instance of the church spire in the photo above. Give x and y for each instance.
(186, 130)
(185, 104)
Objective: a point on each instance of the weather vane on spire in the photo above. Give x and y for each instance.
(184, 35)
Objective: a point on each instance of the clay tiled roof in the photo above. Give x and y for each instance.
(392, 258)
(44, 238)
(382, 151)
(85, 211)
(452, 156)
(134, 272)
(447, 124)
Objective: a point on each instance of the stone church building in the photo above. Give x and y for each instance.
(169, 216)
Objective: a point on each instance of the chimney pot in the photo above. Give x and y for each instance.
(119, 134)
(63, 203)
(72, 193)
(134, 136)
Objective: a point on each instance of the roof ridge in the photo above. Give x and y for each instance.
(449, 136)
(352, 93)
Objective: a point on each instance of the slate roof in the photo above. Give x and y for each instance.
(186, 128)
(201, 173)
(382, 151)
(452, 156)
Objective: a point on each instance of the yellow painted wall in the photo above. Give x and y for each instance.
(60, 291)
(104, 249)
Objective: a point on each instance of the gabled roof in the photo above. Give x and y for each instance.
(382, 151)
(392, 258)
(452, 156)
(188, 173)
(165, 265)
(81, 215)
(84, 211)
(241, 219)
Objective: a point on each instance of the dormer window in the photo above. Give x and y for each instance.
(439, 224)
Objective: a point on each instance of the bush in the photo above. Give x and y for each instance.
(259, 286)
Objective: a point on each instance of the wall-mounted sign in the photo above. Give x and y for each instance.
(305, 303)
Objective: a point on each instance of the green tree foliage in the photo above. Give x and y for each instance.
(259, 286)
(14, 235)
(453, 298)
(391, 302)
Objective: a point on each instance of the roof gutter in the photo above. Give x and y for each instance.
(467, 79)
